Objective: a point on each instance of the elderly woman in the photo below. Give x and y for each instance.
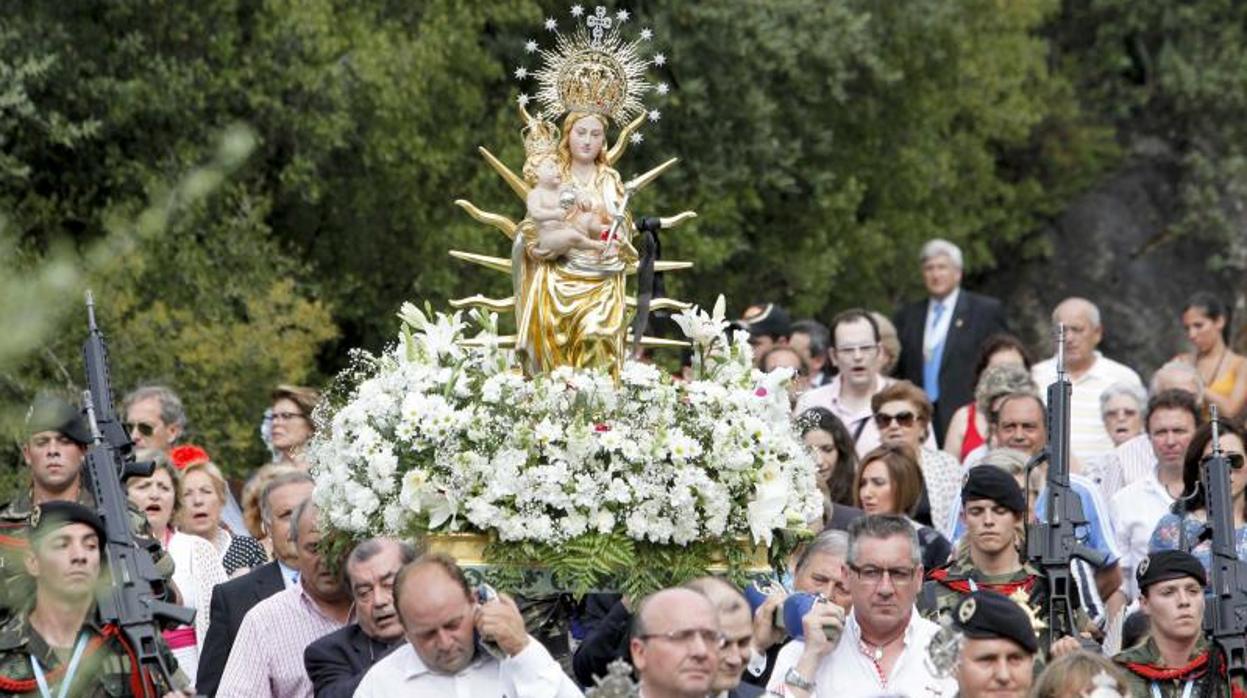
(1121, 408)
(967, 430)
(903, 416)
(202, 489)
(833, 449)
(291, 423)
(197, 566)
(889, 482)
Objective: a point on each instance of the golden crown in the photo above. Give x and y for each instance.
(594, 69)
(540, 138)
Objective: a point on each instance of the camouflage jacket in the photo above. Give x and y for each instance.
(17, 589)
(945, 586)
(1145, 668)
(104, 669)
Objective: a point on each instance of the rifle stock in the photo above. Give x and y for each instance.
(134, 601)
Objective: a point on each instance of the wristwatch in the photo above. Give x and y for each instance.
(796, 680)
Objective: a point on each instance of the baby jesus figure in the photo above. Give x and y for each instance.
(563, 222)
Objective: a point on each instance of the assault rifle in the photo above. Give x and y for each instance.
(1225, 612)
(1052, 543)
(134, 602)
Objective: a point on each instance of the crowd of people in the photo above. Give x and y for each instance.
(924, 429)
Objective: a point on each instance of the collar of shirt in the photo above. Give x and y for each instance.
(833, 389)
(939, 330)
(311, 605)
(417, 668)
(1158, 487)
(289, 575)
(854, 629)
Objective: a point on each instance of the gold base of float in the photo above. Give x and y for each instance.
(468, 549)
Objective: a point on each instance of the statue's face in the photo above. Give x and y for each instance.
(588, 135)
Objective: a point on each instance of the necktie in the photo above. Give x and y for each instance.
(934, 355)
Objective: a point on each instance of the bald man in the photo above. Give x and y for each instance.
(1089, 372)
(459, 644)
(675, 644)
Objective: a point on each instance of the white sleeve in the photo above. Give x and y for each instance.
(787, 658)
(533, 673)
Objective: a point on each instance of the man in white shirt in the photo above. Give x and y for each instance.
(1089, 373)
(459, 646)
(881, 648)
(1172, 418)
(1134, 459)
(675, 644)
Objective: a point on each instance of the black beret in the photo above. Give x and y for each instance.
(1163, 565)
(987, 614)
(989, 482)
(54, 414)
(48, 517)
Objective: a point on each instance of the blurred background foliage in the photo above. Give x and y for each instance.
(821, 143)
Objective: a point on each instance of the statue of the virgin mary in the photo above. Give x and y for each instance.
(570, 301)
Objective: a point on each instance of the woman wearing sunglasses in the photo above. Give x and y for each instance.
(197, 567)
(903, 416)
(889, 482)
(1167, 534)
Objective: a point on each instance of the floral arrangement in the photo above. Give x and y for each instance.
(571, 469)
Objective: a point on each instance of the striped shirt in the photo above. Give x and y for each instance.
(267, 657)
(1127, 464)
(1088, 437)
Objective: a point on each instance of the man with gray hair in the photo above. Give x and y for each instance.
(881, 644)
(1135, 460)
(1089, 372)
(941, 335)
(155, 417)
(338, 661)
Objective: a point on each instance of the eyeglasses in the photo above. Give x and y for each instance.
(1122, 413)
(863, 350)
(900, 576)
(712, 638)
(903, 419)
(143, 428)
(286, 416)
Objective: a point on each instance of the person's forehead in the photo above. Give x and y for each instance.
(285, 404)
(892, 406)
(982, 647)
(824, 564)
(937, 260)
(289, 495)
(386, 562)
(1074, 313)
(876, 468)
(736, 624)
(1122, 400)
(785, 359)
(884, 551)
(1021, 409)
(1170, 417)
(147, 407)
(430, 596)
(49, 435)
(852, 330)
(988, 503)
(675, 612)
(74, 531)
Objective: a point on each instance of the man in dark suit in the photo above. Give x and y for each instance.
(942, 334)
(338, 661)
(232, 600)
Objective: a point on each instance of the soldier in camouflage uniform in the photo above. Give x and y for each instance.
(54, 452)
(57, 647)
(1174, 660)
(988, 556)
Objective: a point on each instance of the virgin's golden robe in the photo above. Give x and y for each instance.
(570, 311)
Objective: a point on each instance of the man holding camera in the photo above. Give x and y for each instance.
(880, 646)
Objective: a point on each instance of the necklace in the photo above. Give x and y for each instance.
(874, 651)
(1208, 380)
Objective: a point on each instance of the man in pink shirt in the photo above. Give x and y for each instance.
(267, 657)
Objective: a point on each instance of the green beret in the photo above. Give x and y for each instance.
(54, 414)
(1164, 565)
(987, 615)
(49, 517)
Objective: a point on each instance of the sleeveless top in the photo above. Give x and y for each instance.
(972, 438)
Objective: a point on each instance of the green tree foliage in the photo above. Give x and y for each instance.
(1172, 79)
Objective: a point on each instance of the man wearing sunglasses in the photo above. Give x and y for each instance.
(881, 648)
(1172, 419)
(155, 417)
